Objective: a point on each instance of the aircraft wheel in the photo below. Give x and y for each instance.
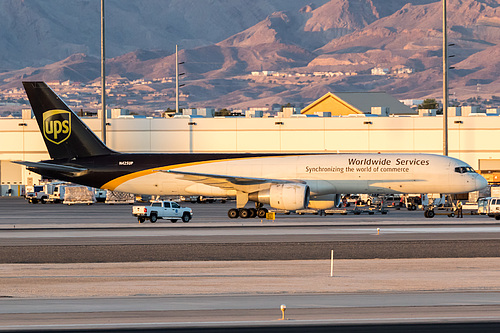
(261, 212)
(253, 213)
(153, 218)
(244, 213)
(233, 213)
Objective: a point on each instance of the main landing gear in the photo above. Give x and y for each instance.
(247, 213)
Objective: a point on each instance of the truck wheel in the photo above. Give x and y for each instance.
(429, 214)
(141, 219)
(497, 217)
(173, 220)
(42, 200)
(153, 218)
(186, 218)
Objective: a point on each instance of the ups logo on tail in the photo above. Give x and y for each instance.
(57, 125)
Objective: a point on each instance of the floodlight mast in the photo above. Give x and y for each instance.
(445, 82)
(176, 80)
(103, 77)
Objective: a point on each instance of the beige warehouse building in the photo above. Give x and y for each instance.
(473, 139)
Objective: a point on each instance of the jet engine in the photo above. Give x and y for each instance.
(283, 196)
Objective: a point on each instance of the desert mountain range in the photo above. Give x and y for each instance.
(222, 41)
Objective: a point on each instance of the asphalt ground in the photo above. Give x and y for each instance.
(56, 233)
(247, 295)
(94, 268)
(17, 213)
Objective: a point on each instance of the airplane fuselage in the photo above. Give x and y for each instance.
(324, 174)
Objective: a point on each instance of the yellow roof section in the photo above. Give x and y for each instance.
(331, 103)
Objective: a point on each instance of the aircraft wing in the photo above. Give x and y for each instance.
(70, 170)
(243, 184)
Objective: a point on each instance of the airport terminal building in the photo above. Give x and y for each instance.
(473, 137)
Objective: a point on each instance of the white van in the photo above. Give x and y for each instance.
(489, 206)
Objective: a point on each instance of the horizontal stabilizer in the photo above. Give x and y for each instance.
(41, 166)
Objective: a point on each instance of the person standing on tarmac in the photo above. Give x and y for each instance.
(459, 209)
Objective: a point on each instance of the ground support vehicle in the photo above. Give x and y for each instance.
(202, 199)
(58, 193)
(37, 195)
(168, 210)
(100, 195)
(356, 211)
(307, 211)
(114, 197)
(451, 211)
(433, 211)
(78, 195)
(489, 206)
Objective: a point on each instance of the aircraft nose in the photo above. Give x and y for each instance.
(481, 182)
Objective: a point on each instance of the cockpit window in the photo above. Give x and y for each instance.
(464, 169)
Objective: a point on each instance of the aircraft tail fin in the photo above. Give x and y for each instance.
(65, 135)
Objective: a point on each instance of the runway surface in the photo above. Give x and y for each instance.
(39, 234)
(250, 311)
(109, 233)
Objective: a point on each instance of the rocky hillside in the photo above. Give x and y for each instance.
(223, 41)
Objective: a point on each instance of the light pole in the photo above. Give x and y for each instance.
(103, 77)
(445, 83)
(177, 74)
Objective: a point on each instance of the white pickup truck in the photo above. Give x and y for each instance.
(36, 194)
(168, 210)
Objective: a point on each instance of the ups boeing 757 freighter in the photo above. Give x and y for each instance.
(283, 181)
